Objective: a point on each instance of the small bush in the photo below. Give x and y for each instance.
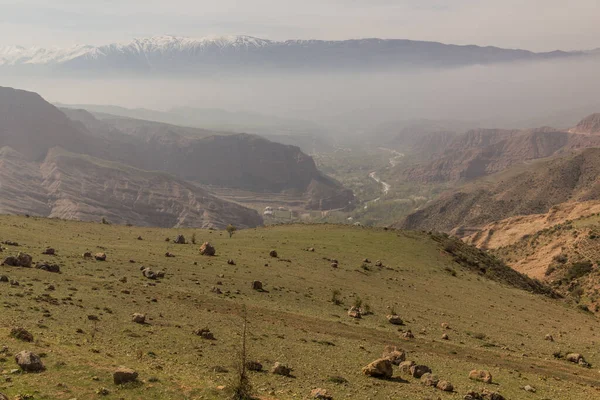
(335, 297)
(561, 258)
(579, 269)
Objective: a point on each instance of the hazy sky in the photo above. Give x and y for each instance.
(532, 24)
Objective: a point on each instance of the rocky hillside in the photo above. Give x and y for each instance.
(237, 161)
(522, 190)
(589, 125)
(486, 151)
(71, 186)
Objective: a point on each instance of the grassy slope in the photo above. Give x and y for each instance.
(290, 323)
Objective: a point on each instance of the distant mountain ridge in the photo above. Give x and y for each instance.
(172, 53)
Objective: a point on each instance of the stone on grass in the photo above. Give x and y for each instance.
(394, 354)
(417, 371)
(138, 318)
(320, 394)
(257, 285)
(254, 366)
(21, 334)
(445, 386)
(207, 249)
(180, 239)
(281, 369)
(124, 375)
(395, 319)
(381, 368)
(273, 253)
(100, 256)
(405, 366)
(29, 362)
(428, 379)
(481, 376)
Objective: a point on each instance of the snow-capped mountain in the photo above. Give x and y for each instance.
(171, 53)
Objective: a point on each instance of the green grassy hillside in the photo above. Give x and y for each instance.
(493, 325)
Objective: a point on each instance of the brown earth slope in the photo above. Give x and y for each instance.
(523, 190)
(70, 186)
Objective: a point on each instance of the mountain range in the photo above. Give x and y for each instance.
(170, 54)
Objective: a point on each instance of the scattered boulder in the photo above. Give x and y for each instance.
(574, 357)
(204, 333)
(29, 362)
(140, 238)
(25, 260)
(367, 261)
(334, 265)
(180, 239)
(445, 386)
(395, 319)
(100, 256)
(394, 354)
(273, 253)
(148, 273)
(87, 254)
(417, 371)
(320, 394)
(257, 285)
(21, 334)
(230, 262)
(405, 366)
(124, 375)
(11, 261)
(169, 255)
(481, 376)
(281, 369)
(54, 268)
(139, 318)
(254, 366)
(549, 338)
(428, 379)
(49, 251)
(445, 336)
(207, 249)
(311, 249)
(445, 325)
(10, 243)
(381, 368)
(408, 335)
(4, 278)
(216, 290)
(378, 263)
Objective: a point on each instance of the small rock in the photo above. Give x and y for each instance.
(124, 375)
(180, 239)
(257, 285)
(529, 388)
(273, 253)
(428, 379)
(481, 375)
(445, 386)
(445, 336)
(49, 251)
(230, 262)
(138, 318)
(21, 334)
(394, 354)
(254, 366)
(100, 256)
(280, 369)
(395, 319)
(549, 338)
(417, 371)
(320, 394)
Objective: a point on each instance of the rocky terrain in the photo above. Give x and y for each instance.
(522, 190)
(325, 311)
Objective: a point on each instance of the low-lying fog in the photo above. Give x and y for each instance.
(520, 94)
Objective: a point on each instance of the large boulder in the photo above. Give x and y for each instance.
(394, 354)
(481, 376)
(124, 375)
(207, 249)
(25, 260)
(381, 368)
(29, 362)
